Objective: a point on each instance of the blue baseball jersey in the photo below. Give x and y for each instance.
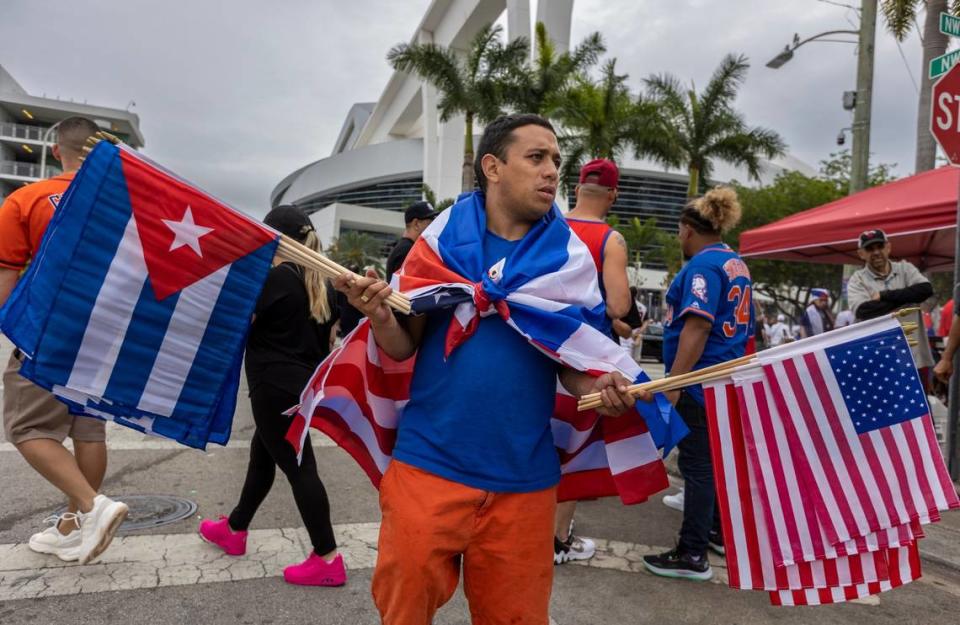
(714, 284)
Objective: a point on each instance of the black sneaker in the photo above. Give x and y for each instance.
(715, 542)
(677, 563)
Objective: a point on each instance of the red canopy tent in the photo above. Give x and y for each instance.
(918, 213)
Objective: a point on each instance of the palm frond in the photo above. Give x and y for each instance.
(900, 16)
(435, 64)
(479, 47)
(725, 82)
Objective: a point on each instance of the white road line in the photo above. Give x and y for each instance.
(159, 560)
(154, 561)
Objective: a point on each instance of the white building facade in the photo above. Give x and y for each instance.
(388, 149)
(27, 131)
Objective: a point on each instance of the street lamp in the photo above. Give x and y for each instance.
(43, 150)
(787, 53)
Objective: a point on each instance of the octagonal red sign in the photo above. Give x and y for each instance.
(945, 118)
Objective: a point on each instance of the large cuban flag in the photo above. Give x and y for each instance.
(137, 305)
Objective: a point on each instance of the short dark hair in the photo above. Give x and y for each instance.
(497, 137)
(73, 132)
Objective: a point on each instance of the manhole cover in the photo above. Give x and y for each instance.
(149, 511)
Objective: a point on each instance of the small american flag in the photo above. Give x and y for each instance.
(855, 416)
(749, 544)
(827, 466)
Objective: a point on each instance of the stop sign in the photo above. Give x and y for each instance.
(945, 119)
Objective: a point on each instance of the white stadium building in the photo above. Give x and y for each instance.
(388, 149)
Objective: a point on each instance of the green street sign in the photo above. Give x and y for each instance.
(949, 25)
(942, 64)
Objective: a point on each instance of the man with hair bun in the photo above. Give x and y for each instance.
(709, 320)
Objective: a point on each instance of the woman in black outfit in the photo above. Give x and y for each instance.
(290, 336)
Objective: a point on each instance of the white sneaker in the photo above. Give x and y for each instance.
(575, 548)
(674, 501)
(52, 542)
(98, 526)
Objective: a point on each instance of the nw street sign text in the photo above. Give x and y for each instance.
(942, 64)
(949, 25)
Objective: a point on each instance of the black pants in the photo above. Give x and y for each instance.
(700, 513)
(268, 450)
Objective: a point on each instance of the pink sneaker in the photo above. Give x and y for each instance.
(315, 571)
(219, 533)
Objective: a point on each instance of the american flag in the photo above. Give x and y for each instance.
(547, 291)
(856, 417)
(748, 542)
(806, 514)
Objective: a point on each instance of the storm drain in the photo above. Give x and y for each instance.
(150, 511)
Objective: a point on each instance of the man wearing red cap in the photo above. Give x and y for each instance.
(596, 193)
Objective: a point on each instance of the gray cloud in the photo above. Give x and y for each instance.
(234, 95)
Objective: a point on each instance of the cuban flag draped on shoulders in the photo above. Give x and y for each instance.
(137, 305)
(546, 290)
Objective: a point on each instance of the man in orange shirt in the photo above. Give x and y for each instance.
(33, 420)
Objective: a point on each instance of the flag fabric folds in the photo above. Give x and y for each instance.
(547, 291)
(827, 466)
(137, 305)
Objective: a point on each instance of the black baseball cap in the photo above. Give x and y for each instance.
(289, 220)
(419, 210)
(872, 236)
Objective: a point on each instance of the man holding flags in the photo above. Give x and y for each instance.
(475, 469)
(35, 421)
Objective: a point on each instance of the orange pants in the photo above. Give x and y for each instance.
(429, 524)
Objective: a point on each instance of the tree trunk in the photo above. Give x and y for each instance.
(693, 187)
(934, 44)
(468, 179)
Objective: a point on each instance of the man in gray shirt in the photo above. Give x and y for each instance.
(883, 286)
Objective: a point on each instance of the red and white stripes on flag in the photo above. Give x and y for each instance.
(357, 395)
(844, 575)
(858, 485)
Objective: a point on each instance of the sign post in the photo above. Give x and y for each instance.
(945, 126)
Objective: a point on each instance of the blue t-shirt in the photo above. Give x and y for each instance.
(714, 284)
(482, 417)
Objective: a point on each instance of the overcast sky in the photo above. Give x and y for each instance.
(236, 94)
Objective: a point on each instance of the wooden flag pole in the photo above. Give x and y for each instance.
(714, 372)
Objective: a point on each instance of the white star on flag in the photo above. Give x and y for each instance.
(185, 232)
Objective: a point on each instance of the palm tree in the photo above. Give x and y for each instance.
(356, 250)
(704, 128)
(535, 89)
(473, 85)
(597, 119)
(901, 16)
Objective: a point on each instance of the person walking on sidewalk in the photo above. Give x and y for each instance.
(709, 321)
(33, 419)
(290, 336)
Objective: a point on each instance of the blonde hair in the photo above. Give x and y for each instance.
(316, 284)
(717, 211)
